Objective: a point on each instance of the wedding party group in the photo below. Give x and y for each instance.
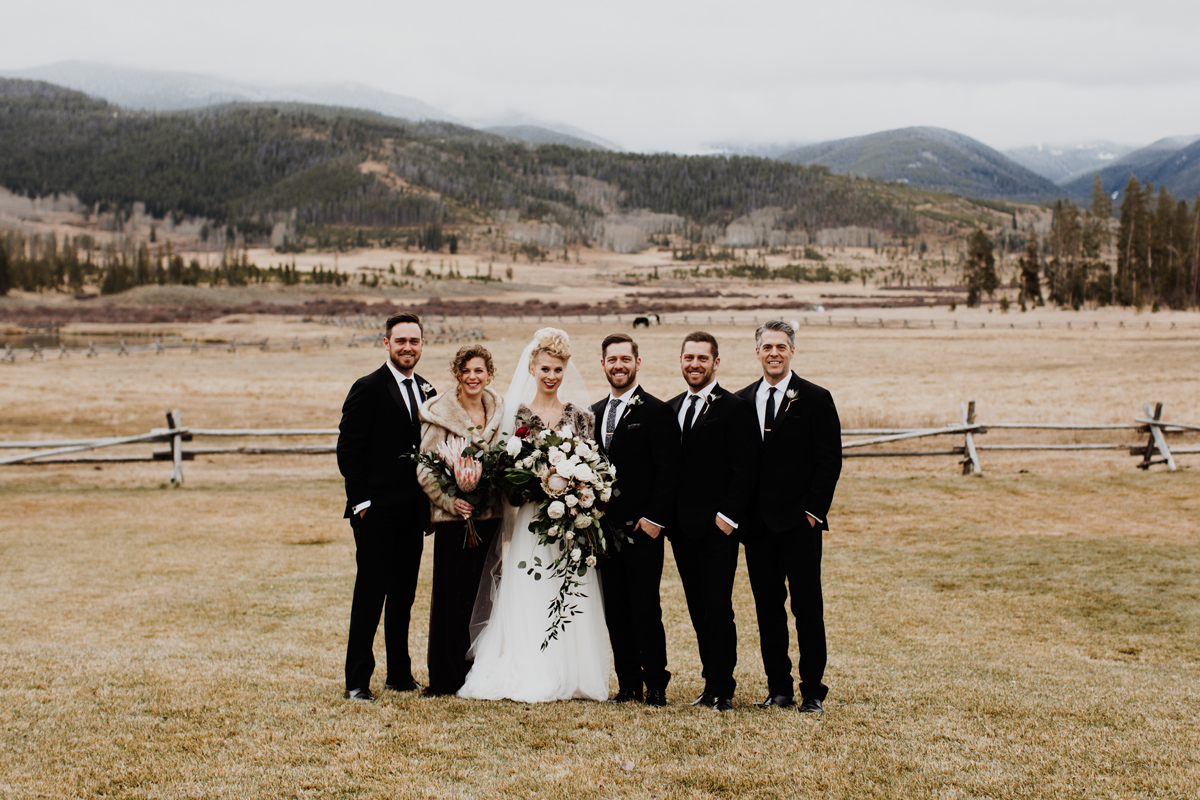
(549, 517)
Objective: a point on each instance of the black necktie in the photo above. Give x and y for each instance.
(413, 406)
(769, 417)
(611, 422)
(690, 415)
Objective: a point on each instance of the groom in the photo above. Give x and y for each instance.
(639, 434)
(802, 459)
(717, 470)
(387, 510)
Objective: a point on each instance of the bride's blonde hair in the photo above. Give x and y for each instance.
(552, 342)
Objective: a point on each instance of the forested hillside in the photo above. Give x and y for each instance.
(242, 164)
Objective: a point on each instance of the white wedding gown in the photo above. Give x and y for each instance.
(507, 645)
(509, 661)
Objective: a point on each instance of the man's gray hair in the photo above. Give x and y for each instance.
(775, 325)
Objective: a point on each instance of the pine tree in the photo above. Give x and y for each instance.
(5, 280)
(1132, 239)
(1031, 273)
(980, 268)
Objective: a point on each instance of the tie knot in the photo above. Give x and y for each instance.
(771, 391)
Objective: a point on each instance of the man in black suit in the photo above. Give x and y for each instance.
(717, 470)
(802, 458)
(639, 434)
(386, 507)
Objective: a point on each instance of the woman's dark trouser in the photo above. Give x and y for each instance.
(456, 573)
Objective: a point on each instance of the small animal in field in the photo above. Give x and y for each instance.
(644, 322)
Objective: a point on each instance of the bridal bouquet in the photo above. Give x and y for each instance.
(466, 470)
(570, 482)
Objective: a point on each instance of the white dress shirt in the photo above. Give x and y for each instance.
(622, 401)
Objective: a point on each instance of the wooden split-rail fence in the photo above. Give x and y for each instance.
(856, 443)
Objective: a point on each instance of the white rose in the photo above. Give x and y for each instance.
(575, 554)
(583, 521)
(554, 532)
(570, 534)
(556, 509)
(525, 463)
(513, 448)
(565, 447)
(583, 472)
(566, 432)
(591, 561)
(605, 494)
(583, 451)
(542, 434)
(587, 497)
(571, 501)
(565, 468)
(556, 456)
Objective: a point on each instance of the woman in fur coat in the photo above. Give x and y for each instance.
(456, 566)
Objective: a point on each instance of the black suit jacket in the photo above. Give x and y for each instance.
(718, 464)
(375, 431)
(645, 449)
(802, 456)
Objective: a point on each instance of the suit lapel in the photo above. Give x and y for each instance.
(713, 397)
(393, 388)
(625, 412)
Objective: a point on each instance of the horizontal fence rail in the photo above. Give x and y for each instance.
(856, 443)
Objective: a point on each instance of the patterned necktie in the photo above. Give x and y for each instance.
(690, 415)
(769, 417)
(413, 405)
(611, 421)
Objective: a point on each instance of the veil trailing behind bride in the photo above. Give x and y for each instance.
(511, 615)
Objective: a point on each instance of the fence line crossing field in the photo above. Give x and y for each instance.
(1034, 632)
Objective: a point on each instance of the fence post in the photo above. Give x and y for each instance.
(174, 422)
(1156, 442)
(971, 462)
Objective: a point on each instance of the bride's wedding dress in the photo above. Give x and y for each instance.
(508, 634)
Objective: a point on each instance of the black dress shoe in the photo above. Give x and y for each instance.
(811, 705)
(705, 699)
(627, 696)
(359, 694)
(778, 701)
(656, 698)
(723, 704)
(408, 686)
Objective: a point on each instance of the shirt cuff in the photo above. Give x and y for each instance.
(655, 524)
(814, 516)
(361, 506)
(732, 524)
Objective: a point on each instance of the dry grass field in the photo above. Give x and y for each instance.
(1031, 633)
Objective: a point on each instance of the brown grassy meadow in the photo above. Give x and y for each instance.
(1031, 633)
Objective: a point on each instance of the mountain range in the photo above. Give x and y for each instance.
(152, 90)
(934, 159)
(928, 158)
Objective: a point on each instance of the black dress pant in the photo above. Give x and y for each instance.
(388, 546)
(707, 561)
(633, 612)
(456, 573)
(777, 563)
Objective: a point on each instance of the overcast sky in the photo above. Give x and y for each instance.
(653, 75)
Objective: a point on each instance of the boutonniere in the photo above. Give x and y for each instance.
(426, 390)
(710, 399)
(791, 396)
(631, 405)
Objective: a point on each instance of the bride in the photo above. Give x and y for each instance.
(512, 609)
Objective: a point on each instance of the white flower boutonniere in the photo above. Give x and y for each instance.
(710, 399)
(426, 390)
(791, 396)
(631, 405)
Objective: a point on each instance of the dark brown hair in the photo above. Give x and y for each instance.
(458, 364)
(701, 336)
(617, 338)
(396, 319)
